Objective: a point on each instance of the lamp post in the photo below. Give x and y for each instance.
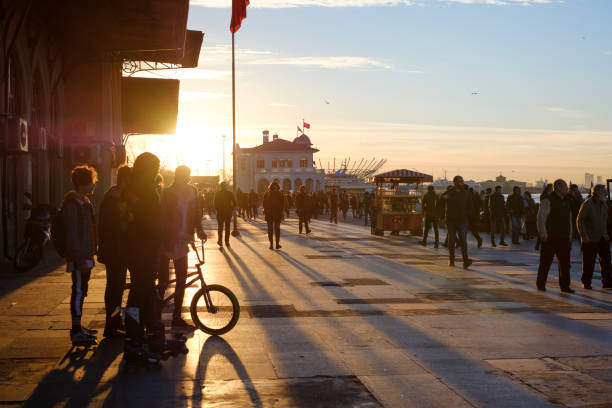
(223, 144)
(235, 232)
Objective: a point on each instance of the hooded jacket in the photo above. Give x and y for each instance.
(79, 227)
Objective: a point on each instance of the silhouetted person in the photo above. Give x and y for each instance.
(474, 221)
(555, 229)
(367, 204)
(253, 203)
(144, 245)
(80, 241)
(547, 190)
(515, 208)
(592, 222)
(333, 206)
(302, 206)
(181, 217)
(458, 203)
(112, 248)
(431, 213)
(497, 210)
(224, 207)
(273, 204)
(575, 199)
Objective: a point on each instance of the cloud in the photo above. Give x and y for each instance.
(281, 105)
(570, 113)
(609, 52)
(324, 62)
(360, 3)
(193, 96)
(185, 74)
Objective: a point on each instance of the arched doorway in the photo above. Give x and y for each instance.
(309, 185)
(287, 184)
(297, 184)
(262, 186)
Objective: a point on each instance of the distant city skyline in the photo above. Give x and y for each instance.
(473, 87)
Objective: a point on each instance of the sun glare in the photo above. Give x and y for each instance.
(199, 147)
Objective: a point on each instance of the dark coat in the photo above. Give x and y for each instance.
(497, 207)
(458, 205)
(224, 203)
(302, 204)
(112, 228)
(514, 205)
(430, 205)
(273, 204)
(144, 227)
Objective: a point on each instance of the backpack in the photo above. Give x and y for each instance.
(58, 233)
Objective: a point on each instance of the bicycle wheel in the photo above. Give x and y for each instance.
(221, 317)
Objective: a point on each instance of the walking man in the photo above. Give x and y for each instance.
(333, 207)
(592, 225)
(273, 207)
(224, 207)
(430, 211)
(515, 208)
(302, 206)
(497, 212)
(112, 248)
(555, 229)
(458, 203)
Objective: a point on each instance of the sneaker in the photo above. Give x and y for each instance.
(493, 245)
(587, 286)
(308, 232)
(541, 288)
(227, 244)
(466, 264)
(271, 246)
(503, 243)
(90, 332)
(220, 243)
(451, 263)
(278, 246)
(180, 323)
(80, 338)
(423, 243)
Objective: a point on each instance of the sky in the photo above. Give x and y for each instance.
(470, 87)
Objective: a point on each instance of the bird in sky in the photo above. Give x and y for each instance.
(475, 93)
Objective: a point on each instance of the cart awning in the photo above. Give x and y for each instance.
(403, 176)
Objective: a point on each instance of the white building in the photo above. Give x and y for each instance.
(288, 162)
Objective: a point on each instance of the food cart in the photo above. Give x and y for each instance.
(397, 205)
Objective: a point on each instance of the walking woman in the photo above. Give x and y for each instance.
(273, 204)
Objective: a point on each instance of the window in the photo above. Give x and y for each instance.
(290, 163)
(281, 163)
(273, 163)
(303, 162)
(261, 163)
(242, 164)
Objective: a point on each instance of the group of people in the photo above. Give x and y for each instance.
(139, 230)
(561, 216)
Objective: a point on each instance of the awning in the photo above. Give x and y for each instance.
(403, 176)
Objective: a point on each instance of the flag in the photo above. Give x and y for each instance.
(238, 14)
(299, 130)
(306, 125)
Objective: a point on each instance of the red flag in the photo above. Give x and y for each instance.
(238, 14)
(306, 125)
(299, 130)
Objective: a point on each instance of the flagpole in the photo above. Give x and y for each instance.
(235, 232)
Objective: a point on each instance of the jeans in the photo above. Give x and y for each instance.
(223, 223)
(180, 272)
(304, 221)
(589, 255)
(429, 222)
(457, 227)
(550, 248)
(113, 294)
(516, 227)
(274, 230)
(495, 221)
(80, 283)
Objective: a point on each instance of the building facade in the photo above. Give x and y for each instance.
(290, 163)
(506, 185)
(63, 86)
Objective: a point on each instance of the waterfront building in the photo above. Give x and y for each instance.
(291, 163)
(506, 185)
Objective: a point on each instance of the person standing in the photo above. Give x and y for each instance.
(458, 203)
(333, 207)
(474, 221)
(514, 207)
(181, 217)
(225, 202)
(367, 204)
(112, 248)
(273, 204)
(353, 202)
(555, 229)
(80, 242)
(430, 211)
(576, 200)
(302, 207)
(545, 193)
(592, 222)
(253, 203)
(497, 211)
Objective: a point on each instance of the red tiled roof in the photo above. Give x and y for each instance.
(282, 145)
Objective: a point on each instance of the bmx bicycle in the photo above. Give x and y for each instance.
(214, 308)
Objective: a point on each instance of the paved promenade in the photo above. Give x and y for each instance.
(338, 318)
